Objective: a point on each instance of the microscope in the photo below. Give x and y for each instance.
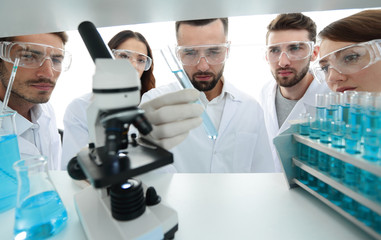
(116, 205)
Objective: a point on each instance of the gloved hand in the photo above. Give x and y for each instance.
(172, 116)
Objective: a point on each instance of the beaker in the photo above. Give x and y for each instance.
(9, 153)
(40, 212)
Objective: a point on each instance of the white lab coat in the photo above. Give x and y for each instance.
(76, 133)
(240, 145)
(305, 104)
(46, 134)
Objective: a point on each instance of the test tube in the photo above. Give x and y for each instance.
(315, 128)
(337, 134)
(349, 205)
(320, 106)
(372, 134)
(303, 151)
(351, 175)
(345, 105)
(332, 101)
(368, 183)
(184, 81)
(304, 124)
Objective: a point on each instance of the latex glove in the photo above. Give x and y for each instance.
(172, 116)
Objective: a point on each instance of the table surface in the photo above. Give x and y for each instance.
(224, 206)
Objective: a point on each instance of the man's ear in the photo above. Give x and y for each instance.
(315, 53)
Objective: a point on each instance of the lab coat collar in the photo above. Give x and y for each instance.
(23, 124)
(228, 90)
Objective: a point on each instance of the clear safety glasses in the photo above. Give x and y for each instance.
(33, 55)
(143, 62)
(294, 50)
(349, 59)
(214, 54)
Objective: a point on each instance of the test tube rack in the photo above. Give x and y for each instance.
(287, 149)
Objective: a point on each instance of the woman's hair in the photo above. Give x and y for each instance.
(360, 27)
(147, 79)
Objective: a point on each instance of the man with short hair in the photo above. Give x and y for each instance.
(42, 58)
(290, 47)
(202, 49)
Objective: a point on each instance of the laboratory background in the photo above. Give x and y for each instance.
(246, 67)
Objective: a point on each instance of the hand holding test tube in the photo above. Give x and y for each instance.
(184, 81)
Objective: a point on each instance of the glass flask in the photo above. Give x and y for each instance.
(9, 154)
(39, 212)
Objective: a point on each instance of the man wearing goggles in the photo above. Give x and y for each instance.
(202, 50)
(42, 58)
(289, 50)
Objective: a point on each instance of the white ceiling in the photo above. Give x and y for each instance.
(20, 17)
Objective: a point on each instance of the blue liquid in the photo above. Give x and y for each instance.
(351, 175)
(334, 196)
(322, 188)
(335, 168)
(337, 140)
(364, 214)
(323, 162)
(356, 116)
(376, 222)
(312, 182)
(302, 176)
(209, 127)
(9, 152)
(303, 152)
(313, 157)
(352, 146)
(349, 205)
(372, 145)
(320, 112)
(315, 129)
(344, 113)
(353, 139)
(304, 129)
(373, 119)
(332, 113)
(40, 216)
(368, 183)
(325, 132)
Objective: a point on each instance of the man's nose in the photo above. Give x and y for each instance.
(202, 64)
(46, 69)
(283, 60)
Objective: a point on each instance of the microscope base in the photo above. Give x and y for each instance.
(93, 208)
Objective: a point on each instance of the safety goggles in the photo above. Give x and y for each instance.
(33, 55)
(143, 62)
(294, 50)
(349, 59)
(214, 54)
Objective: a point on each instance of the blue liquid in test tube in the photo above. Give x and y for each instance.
(335, 168)
(349, 205)
(184, 81)
(368, 183)
(351, 175)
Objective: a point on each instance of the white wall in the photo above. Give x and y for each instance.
(245, 68)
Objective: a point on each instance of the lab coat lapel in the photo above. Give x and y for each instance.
(270, 107)
(27, 149)
(229, 111)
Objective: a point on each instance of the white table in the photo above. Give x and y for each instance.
(224, 206)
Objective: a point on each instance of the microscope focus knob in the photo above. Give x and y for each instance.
(151, 197)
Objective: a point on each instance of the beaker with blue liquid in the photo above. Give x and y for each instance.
(39, 212)
(9, 153)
